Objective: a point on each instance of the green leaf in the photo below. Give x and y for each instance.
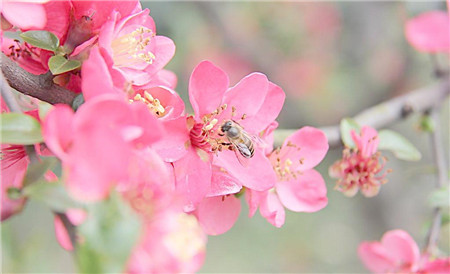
(37, 170)
(440, 197)
(347, 125)
(427, 124)
(20, 129)
(59, 64)
(41, 39)
(110, 232)
(52, 194)
(44, 108)
(399, 145)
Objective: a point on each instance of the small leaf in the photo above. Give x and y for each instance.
(20, 129)
(347, 125)
(59, 64)
(53, 194)
(41, 39)
(399, 145)
(37, 170)
(44, 108)
(427, 124)
(440, 197)
(110, 233)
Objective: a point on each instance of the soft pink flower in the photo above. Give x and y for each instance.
(135, 49)
(298, 187)
(359, 167)
(429, 32)
(254, 103)
(97, 144)
(398, 253)
(173, 243)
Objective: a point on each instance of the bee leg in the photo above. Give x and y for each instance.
(221, 134)
(226, 144)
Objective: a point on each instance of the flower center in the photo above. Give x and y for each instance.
(207, 134)
(11, 155)
(133, 48)
(284, 167)
(153, 104)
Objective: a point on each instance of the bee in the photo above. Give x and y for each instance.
(239, 139)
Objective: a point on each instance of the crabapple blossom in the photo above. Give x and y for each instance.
(360, 167)
(397, 252)
(214, 103)
(298, 186)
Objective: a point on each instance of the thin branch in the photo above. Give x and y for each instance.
(439, 160)
(384, 114)
(38, 86)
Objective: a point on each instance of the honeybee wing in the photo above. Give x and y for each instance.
(241, 150)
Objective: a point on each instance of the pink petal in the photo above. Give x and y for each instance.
(311, 146)
(193, 177)
(164, 51)
(401, 247)
(172, 102)
(429, 32)
(272, 209)
(268, 137)
(254, 199)
(61, 234)
(441, 265)
(222, 183)
(58, 17)
(76, 216)
(173, 145)
(307, 193)
(217, 216)
(58, 130)
(258, 175)
(248, 96)
(25, 15)
(268, 111)
(375, 257)
(101, 10)
(96, 76)
(207, 86)
(367, 141)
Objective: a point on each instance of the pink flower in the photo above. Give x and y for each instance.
(359, 168)
(298, 186)
(254, 103)
(98, 143)
(398, 253)
(173, 243)
(429, 32)
(135, 49)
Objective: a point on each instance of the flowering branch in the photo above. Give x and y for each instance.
(439, 159)
(38, 86)
(384, 114)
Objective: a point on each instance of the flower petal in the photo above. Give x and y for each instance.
(207, 86)
(258, 175)
(307, 193)
(311, 146)
(375, 257)
(429, 32)
(401, 248)
(25, 15)
(272, 209)
(61, 234)
(222, 183)
(217, 215)
(58, 130)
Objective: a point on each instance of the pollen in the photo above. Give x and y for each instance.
(153, 104)
(133, 48)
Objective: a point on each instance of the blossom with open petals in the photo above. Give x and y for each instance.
(298, 187)
(397, 252)
(254, 103)
(360, 168)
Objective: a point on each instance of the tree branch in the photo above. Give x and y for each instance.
(384, 114)
(38, 86)
(439, 160)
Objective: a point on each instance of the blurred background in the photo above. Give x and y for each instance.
(333, 59)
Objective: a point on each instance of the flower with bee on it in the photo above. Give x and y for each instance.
(250, 106)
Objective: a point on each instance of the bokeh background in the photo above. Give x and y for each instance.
(333, 59)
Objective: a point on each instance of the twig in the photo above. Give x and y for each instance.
(38, 86)
(387, 112)
(11, 102)
(439, 160)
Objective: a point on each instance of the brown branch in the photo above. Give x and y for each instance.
(384, 114)
(38, 86)
(439, 160)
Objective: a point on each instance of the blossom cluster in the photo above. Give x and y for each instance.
(181, 174)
